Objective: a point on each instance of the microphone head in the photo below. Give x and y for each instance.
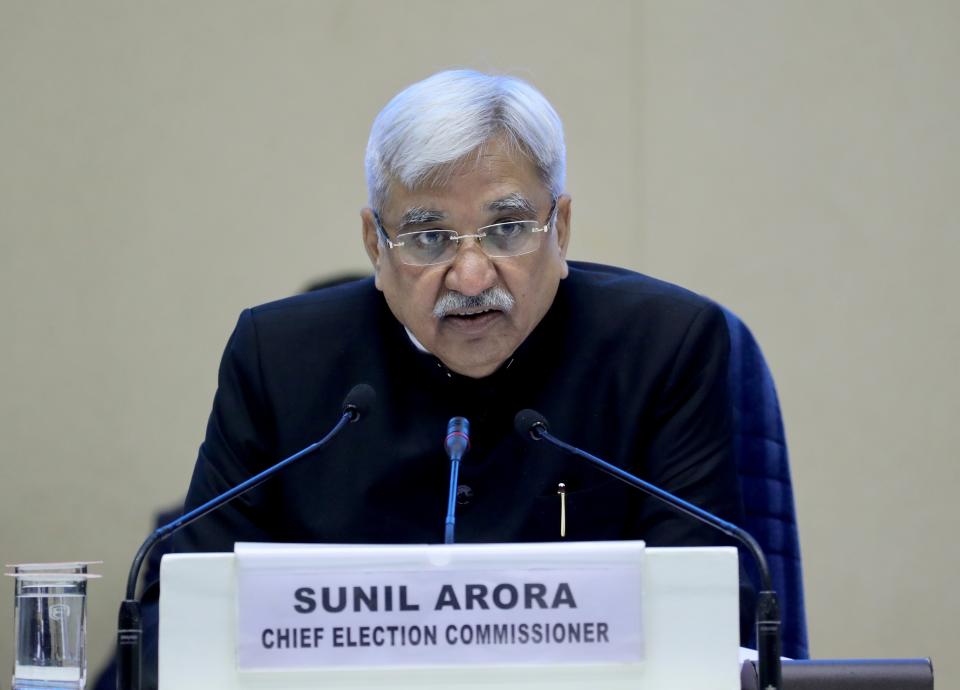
(530, 423)
(458, 425)
(457, 441)
(359, 401)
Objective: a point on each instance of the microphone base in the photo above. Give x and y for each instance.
(847, 674)
(129, 645)
(768, 641)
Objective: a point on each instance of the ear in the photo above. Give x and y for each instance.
(563, 229)
(371, 242)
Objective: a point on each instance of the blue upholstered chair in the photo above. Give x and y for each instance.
(761, 451)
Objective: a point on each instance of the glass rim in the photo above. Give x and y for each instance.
(50, 572)
(54, 577)
(53, 565)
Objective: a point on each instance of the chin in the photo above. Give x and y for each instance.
(476, 369)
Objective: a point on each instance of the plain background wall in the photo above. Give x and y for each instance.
(164, 165)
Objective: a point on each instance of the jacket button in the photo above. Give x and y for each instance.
(464, 495)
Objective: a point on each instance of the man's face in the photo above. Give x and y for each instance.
(479, 192)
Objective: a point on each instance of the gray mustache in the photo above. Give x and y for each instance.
(492, 298)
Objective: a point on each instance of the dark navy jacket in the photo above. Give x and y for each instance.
(625, 366)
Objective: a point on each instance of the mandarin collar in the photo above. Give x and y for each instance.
(529, 351)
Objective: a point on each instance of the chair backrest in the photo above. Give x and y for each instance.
(760, 448)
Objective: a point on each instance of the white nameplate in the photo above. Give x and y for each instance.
(436, 605)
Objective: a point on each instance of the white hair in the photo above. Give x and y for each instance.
(434, 123)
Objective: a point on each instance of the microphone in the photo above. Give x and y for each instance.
(359, 401)
(356, 405)
(457, 443)
(533, 425)
(530, 423)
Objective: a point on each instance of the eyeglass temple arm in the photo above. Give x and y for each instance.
(383, 233)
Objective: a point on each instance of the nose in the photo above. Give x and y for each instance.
(472, 271)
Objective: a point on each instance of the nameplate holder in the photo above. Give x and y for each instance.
(336, 606)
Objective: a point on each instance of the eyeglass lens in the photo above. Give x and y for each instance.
(497, 241)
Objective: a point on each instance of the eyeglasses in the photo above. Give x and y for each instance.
(439, 246)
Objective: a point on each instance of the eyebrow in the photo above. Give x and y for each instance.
(513, 202)
(418, 215)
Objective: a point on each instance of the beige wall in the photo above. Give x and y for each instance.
(166, 164)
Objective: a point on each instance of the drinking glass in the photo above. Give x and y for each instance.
(50, 625)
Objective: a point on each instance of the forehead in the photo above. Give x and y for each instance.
(492, 178)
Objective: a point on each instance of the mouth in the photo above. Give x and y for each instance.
(471, 313)
(472, 321)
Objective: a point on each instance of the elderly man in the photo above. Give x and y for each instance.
(473, 311)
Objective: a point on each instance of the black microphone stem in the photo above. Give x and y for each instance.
(130, 624)
(166, 530)
(768, 610)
